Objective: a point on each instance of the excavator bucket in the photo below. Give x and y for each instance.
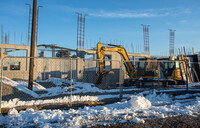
(101, 75)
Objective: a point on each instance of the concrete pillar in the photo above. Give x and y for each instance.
(79, 69)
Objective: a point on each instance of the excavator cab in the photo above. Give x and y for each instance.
(171, 70)
(147, 68)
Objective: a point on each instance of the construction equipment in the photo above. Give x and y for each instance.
(101, 56)
(171, 71)
(147, 68)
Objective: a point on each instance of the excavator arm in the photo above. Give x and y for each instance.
(101, 57)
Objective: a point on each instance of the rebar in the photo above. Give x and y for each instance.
(29, 23)
(171, 42)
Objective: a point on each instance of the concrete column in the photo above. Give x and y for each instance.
(79, 69)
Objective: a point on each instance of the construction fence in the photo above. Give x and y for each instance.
(68, 77)
(156, 73)
(53, 78)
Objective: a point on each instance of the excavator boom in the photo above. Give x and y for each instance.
(101, 57)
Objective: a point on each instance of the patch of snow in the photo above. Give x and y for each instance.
(20, 87)
(190, 85)
(137, 120)
(16, 102)
(56, 81)
(78, 87)
(187, 96)
(160, 99)
(36, 86)
(8, 81)
(12, 112)
(27, 91)
(139, 102)
(136, 110)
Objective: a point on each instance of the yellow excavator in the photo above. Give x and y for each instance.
(146, 69)
(101, 57)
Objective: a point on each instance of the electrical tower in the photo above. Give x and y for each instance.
(171, 42)
(146, 38)
(80, 30)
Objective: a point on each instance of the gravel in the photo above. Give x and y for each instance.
(181, 121)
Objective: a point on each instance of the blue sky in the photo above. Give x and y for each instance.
(110, 20)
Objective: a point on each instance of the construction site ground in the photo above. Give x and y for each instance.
(181, 121)
(98, 97)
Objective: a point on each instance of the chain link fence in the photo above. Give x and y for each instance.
(64, 79)
(53, 78)
(157, 73)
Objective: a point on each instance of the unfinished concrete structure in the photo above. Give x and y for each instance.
(83, 69)
(5, 48)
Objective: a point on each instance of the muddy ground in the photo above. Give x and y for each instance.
(182, 121)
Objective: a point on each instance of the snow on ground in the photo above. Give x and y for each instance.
(16, 102)
(135, 110)
(144, 105)
(187, 96)
(20, 86)
(56, 81)
(161, 99)
(190, 85)
(77, 87)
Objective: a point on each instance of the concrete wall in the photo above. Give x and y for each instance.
(44, 68)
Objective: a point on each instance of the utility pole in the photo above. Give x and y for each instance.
(29, 23)
(32, 53)
(37, 23)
